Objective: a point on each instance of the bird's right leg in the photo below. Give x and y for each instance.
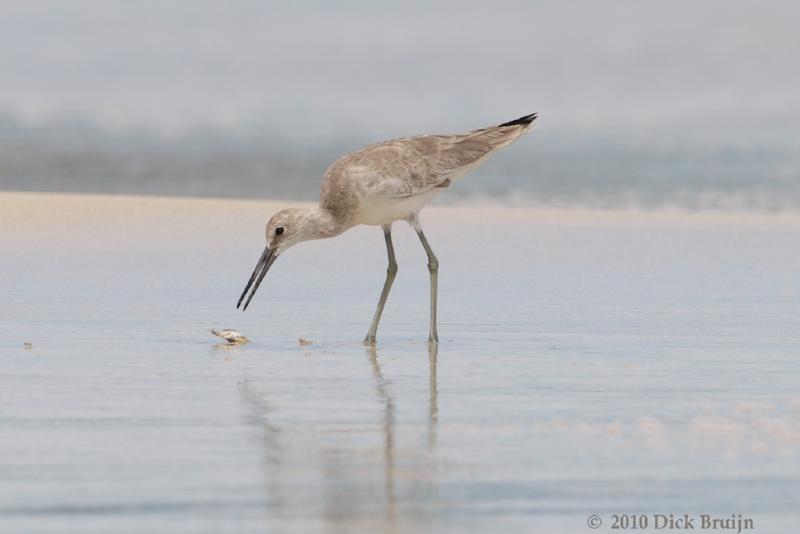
(391, 272)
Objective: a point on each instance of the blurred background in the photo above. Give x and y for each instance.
(688, 104)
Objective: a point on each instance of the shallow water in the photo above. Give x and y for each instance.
(591, 363)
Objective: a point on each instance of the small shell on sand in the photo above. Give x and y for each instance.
(28, 345)
(231, 336)
(302, 341)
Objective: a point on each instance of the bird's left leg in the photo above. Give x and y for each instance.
(433, 268)
(391, 272)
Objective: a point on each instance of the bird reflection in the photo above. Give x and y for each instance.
(404, 463)
(226, 348)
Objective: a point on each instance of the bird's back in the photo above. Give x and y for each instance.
(400, 169)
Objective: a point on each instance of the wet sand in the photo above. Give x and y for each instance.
(592, 362)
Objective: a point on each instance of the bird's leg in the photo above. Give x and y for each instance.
(391, 272)
(433, 268)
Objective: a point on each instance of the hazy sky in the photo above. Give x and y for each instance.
(715, 67)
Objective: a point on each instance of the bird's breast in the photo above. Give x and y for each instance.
(380, 211)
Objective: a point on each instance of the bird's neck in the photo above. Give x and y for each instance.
(324, 223)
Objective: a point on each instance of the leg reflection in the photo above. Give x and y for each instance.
(433, 404)
(388, 431)
(257, 414)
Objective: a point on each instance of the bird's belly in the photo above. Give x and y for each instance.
(384, 211)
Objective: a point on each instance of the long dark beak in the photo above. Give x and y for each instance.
(264, 263)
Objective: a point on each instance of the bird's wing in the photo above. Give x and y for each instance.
(410, 166)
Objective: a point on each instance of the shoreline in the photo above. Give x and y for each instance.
(17, 206)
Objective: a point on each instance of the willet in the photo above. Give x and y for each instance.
(380, 184)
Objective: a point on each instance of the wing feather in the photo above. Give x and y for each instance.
(410, 166)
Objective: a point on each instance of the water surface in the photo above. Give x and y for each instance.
(590, 363)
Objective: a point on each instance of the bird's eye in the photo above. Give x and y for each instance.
(279, 230)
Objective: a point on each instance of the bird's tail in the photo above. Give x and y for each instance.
(524, 122)
(504, 134)
(473, 148)
(512, 130)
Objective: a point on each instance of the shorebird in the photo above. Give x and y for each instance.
(231, 336)
(378, 185)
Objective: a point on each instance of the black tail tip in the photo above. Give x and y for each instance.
(522, 121)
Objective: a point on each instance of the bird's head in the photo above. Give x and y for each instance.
(285, 229)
